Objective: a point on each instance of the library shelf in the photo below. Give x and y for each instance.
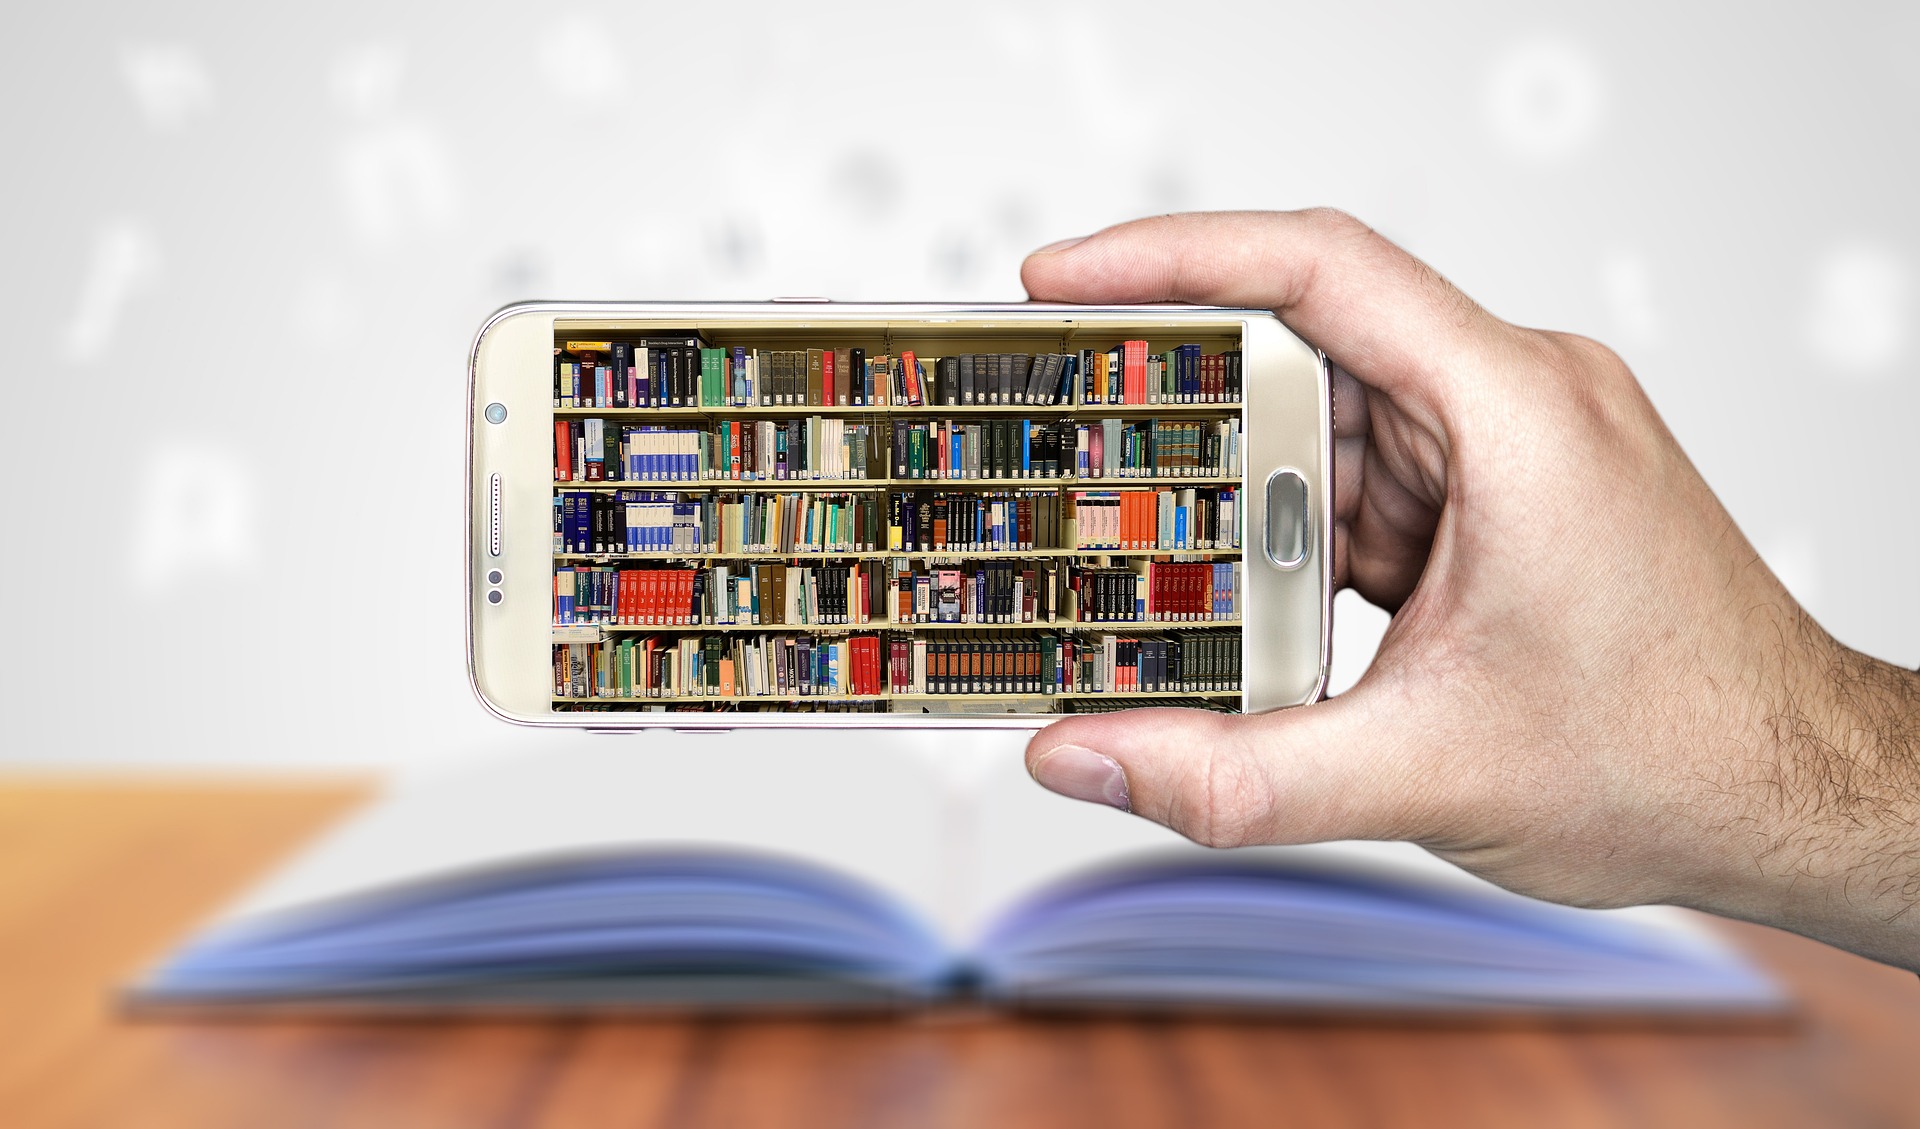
(1084, 410)
(1075, 694)
(858, 485)
(917, 554)
(889, 625)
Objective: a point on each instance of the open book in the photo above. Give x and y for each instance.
(730, 876)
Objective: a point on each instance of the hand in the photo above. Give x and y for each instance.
(1592, 690)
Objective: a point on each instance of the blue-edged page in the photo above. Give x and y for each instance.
(1295, 929)
(743, 871)
(647, 926)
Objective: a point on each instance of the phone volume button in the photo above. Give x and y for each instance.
(493, 515)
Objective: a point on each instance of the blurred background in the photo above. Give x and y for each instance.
(247, 247)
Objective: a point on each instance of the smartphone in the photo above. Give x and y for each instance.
(814, 514)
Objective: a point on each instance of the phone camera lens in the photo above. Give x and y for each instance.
(494, 596)
(496, 413)
(493, 577)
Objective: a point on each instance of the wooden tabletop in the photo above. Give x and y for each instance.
(100, 875)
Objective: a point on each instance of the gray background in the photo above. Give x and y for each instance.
(246, 249)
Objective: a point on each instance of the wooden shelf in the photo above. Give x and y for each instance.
(1090, 411)
(888, 625)
(858, 485)
(1074, 694)
(937, 554)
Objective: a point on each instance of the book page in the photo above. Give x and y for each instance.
(1028, 838)
(859, 808)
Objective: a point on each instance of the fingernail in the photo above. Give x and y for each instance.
(1083, 774)
(1062, 245)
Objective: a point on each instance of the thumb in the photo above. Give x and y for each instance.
(1307, 774)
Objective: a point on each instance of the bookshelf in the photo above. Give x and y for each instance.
(845, 484)
(890, 411)
(1047, 521)
(889, 625)
(829, 699)
(814, 555)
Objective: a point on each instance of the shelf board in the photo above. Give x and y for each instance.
(888, 625)
(1074, 694)
(937, 554)
(859, 485)
(1093, 411)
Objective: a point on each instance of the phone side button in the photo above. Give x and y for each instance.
(603, 731)
(1289, 524)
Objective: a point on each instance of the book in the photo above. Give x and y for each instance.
(895, 877)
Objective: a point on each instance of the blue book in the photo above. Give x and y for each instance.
(653, 883)
(1026, 448)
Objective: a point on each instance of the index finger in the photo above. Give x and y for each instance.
(1382, 314)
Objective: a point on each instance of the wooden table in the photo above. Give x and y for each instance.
(99, 875)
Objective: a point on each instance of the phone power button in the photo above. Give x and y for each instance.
(1289, 523)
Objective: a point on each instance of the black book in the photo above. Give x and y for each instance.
(1037, 376)
(965, 365)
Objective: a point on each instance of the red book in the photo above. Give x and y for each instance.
(910, 378)
(826, 376)
(562, 450)
(1134, 357)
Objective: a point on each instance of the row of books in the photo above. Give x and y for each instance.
(1049, 705)
(1175, 520)
(1193, 519)
(683, 371)
(898, 592)
(800, 665)
(822, 448)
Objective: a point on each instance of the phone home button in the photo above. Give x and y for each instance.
(1289, 523)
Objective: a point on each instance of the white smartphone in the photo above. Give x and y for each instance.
(812, 514)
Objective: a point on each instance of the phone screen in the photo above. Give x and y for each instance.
(883, 523)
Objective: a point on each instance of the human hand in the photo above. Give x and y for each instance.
(1592, 689)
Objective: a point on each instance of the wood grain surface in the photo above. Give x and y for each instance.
(99, 875)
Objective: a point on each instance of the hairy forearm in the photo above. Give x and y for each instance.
(1831, 822)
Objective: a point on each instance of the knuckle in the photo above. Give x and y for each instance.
(1338, 222)
(1594, 382)
(1588, 356)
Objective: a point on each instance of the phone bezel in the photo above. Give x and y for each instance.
(1287, 398)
